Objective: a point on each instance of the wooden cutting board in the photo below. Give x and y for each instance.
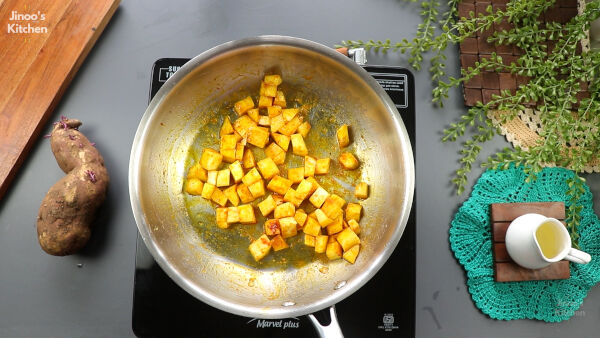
(42, 45)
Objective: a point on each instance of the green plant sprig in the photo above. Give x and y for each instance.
(556, 72)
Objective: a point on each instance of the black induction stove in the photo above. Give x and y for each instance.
(384, 307)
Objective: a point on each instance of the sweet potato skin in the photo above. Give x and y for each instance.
(67, 211)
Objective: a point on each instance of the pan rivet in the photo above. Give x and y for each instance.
(288, 304)
(339, 285)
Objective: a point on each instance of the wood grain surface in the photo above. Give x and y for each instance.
(36, 68)
(505, 269)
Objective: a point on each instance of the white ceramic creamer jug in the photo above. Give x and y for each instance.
(534, 241)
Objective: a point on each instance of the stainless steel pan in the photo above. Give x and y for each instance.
(186, 113)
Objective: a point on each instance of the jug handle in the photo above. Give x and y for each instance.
(578, 256)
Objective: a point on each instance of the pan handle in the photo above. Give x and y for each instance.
(332, 330)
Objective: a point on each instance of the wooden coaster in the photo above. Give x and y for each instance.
(473, 49)
(505, 270)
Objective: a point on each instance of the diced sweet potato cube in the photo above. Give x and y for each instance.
(278, 199)
(228, 141)
(269, 90)
(258, 136)
(333, 251)
(347, 239)
(318, 197)
(352, 224)
(196, 171)
(305, 189)
(267, 205)
(282, 140)
(277, 122)
(298, 145)
(265, 101)
(285, 210)
(210, 159)
(310, 165)
(348, 161)
(247, 214)
(292, 197)
(303, 129)
(274, 111)
(337, 200)
(288, 227)
(279, 184)
(362, 190)
(336, 226)
(309, 240)
(300, 217)
(332, 210)
(353, 211)
(290, 127)
(207, 190)
(226, 127)
(278, 243)
(243, 124)
(321, 243)
(267, 168)
(322, 166)
(222, 218)
(248, 159)
(272, 227)
(242, 106)
(193, 186)
(236, 171)
(223, 178)
(219, 197)
(244, 193)
(312, 227)
(264, 121)
(257, 189)
(253, 114)
(322, 218)
(251, 176)
(274, 80)
(279, 99)
(232, 195)
(332, 207)
(260, 247)
(334, 213)
(296, 175)
(342, 136)
(233, 215)
(228, 155)
(289, 113)
(351, 254)
(276, 153)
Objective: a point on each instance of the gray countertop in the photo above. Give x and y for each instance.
(44, 296)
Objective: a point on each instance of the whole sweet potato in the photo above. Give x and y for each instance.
(67, 212)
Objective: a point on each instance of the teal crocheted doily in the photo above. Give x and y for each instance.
(471, 241)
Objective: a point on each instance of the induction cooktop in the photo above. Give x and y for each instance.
(384, 307)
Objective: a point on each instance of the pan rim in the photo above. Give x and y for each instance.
(257, 311)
